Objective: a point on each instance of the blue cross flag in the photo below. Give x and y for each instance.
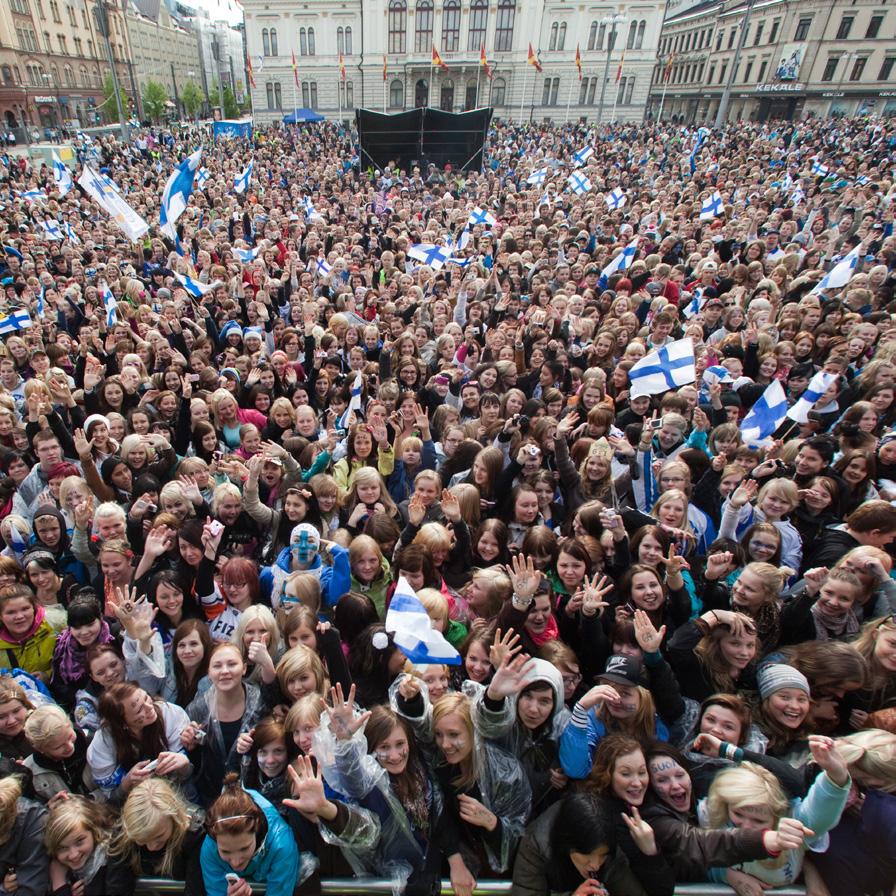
(537, 177)
(202, 176)
(241, 183)
(819, 169)
(712, 207)
(619, 262)
(322, 268)
(839, 275)
(12, 323)
(663, 369)
(479, 216)
(765, 416)
(41, 304)
(434, 256)
(354, 403)
(195, 288)
(412, 629)
(70, 232)
(177, 192)
(51, 229)
(817, 387)
(702, 134)
(615, 199)
(582, 155)
(246, 256)
(61, 175)
(110, 304)
(578, 183)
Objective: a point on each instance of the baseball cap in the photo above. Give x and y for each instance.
(622, 670)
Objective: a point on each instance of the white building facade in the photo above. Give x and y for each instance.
(400, 34)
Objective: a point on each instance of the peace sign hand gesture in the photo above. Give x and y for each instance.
(641, 831)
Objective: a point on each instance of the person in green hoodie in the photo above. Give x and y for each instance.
(27, 640)
(371, 573)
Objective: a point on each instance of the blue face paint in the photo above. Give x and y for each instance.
(305, 549)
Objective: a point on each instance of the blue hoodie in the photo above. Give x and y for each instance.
(275, 863)
(335, 580)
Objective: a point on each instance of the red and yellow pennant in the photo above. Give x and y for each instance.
(533, 60)
(341, 67)
(668, 72)
(249, 71)
(437, 59)
(619, 70)
(483, 61)
(385, 66)
(579, 61)
(295, 69)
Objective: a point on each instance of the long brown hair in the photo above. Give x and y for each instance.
(235, 812)
(130, 749)
(642, 725)
(460, 704)
(608, 753)
(186, 686)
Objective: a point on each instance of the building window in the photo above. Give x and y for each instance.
(874, 26)
(499, 91)
(347, 95)
(632, 34)
(54, 10)
(712, 74)
(309, 94)
(340, 39)
(553, 42)
(829, 68)
(423, 36)
(348, 41)
(773, 34)
(719, 37)
(639, 40)
(306, 100)
(303, 42)
(762, 69)
(398, 14)
(802, 29)
(63, 45)
(396, 94)
(748, 71)
(601, 36)
(592, 35)
(561, 42)
(274, 95)
(550, 91)
(478, 25)
(886, 69)
(620, 91)
(7, 75)
(79, 47)
(759, 29)
(731, 38)
(71, 16)
(845, 27)
(274, 42)
(85, 81)
(504, 25)
(858, 68)
(723, 72)
(451, 26)
(266, 41)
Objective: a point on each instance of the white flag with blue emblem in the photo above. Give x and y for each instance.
(840, 274)
(62, 177)
(819, 169)
(195, 288)
(177, 192)
(479, 216)
(110, 304)
(665, 368)
(354, 403)
(12, 323)
(241, 183)
(712, 207)
(816, 388)
(70, 232)
(113, 204)
(434, 256)
(320, 267)
(765, 416)
(412, 629)
(619, 262)
(202, 176)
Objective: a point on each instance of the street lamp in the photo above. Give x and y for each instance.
(614, 20)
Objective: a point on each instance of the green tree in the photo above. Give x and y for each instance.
(192, 98)
(154, 98)
(110, 110)
(231, 107)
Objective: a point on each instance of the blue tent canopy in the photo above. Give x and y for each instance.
(300, 115)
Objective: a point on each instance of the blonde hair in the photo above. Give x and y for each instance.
(298, 660)
(70, 485)
(673, 494)
(10, 793)
(45, 723)
(436, 607)
(785, 489)
(306, 709)
(468, 498)
(257, 613)
(448, 705)
(224, 490)
(173, 491)
(871, 754)
(72, 813)
(150, 805)
(434, 536)
(745, 786)
(129, 443)
(282, 404)
(773, 578)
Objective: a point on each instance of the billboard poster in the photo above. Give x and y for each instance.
(789, 62)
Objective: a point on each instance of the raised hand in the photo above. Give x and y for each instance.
(674, 563)
(641, 831)
(523, 576)
(190, 489)
(744, 493)
(600, 693)
(450, 506)
(307, 788)
(593, 593)
(717, 565)
(646, 634)
(824, 751)
(416, 510)
(510, 677)
(343, 721)
(505, 646)
(707, 744)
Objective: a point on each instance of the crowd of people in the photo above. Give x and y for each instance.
(677, 644)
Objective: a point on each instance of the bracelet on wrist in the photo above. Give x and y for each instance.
(520, 602)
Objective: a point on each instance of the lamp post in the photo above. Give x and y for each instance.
(614, 20)
(101, 14)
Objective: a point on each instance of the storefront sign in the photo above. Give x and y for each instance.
(782, 87)
(45, 99)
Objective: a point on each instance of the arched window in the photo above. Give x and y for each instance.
(348, 41)
(639, 40)
(398, 23)
(561, 41)
(592, 36)
(451, 26)
(69, 76)
(340, 40)
(632, 34)
(499, 91)
(85, 81)
(504, 25)
(423, 38)
(303, 42)
(266, 41)
(396, 94)
(273, 41)
(306, 98)
(278, 95)
(478, 25)
(7, 75)
(269, 89)
(314, 94)
(310, 42)
(553, 42)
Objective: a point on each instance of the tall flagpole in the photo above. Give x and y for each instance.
(616, 87)
(478, 74)
(569, 100)
(429, 92)
(659, 116)
(523, 97)
(384, 94)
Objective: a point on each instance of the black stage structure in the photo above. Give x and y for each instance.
(423, 136)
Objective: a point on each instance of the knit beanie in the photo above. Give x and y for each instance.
(777, 676)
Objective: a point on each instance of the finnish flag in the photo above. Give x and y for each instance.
(537, 177)
(51, 229)
(619, 262)
(61, 175)
(195, 288)
(712, 207)
(479, 216)
(693, 307)
(434, 256)
(246, 256)
(615, 199)
(70, 232)
(202, 176)
(818, 169)
(816, 388)
(177, 192)
(578, 183)
(583, 155)
(322, 268)
(12, 323)
(412, 629)
(765, 416)
(840, 274)
(354, 403)
(665, 368)
(41, 302)
(110, 304)
(241, 182)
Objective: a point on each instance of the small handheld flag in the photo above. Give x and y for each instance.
(12, 323)
(412, 629)
(241, 183)
(817, 387)
(195, 288)
(712, 207)
(615, 199)
(479, 216)
(354, 403)
(110, 304)
(766, 415)
(665, 368)
(177, 192)
(61, 175)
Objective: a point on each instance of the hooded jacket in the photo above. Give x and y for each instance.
(24, 850)
(275, 863)
(33, 652)
(335, 580)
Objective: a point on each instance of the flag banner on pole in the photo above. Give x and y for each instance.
(619, 262)
(619, 70)
(840, 274)
(62, 177)
(437, 59)
(250, 73)
(195, 288)
(295, 69)
(241, 182)
(12, 323)
(712, 207)
(483, 61)
(532, 59)
(412, 629)
(579, 61)
(816, 388)
(350, 414)
(111, 202)
(766, 415)
(665, 368)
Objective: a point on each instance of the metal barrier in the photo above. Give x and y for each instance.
(356, 886)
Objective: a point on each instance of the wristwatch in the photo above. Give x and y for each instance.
(520, 603)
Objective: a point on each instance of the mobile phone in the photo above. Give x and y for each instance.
(231, 878)
(193, 378)
(151, 508)
(656, 424)
(151, 766)
(216, 527)
(217, 455)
